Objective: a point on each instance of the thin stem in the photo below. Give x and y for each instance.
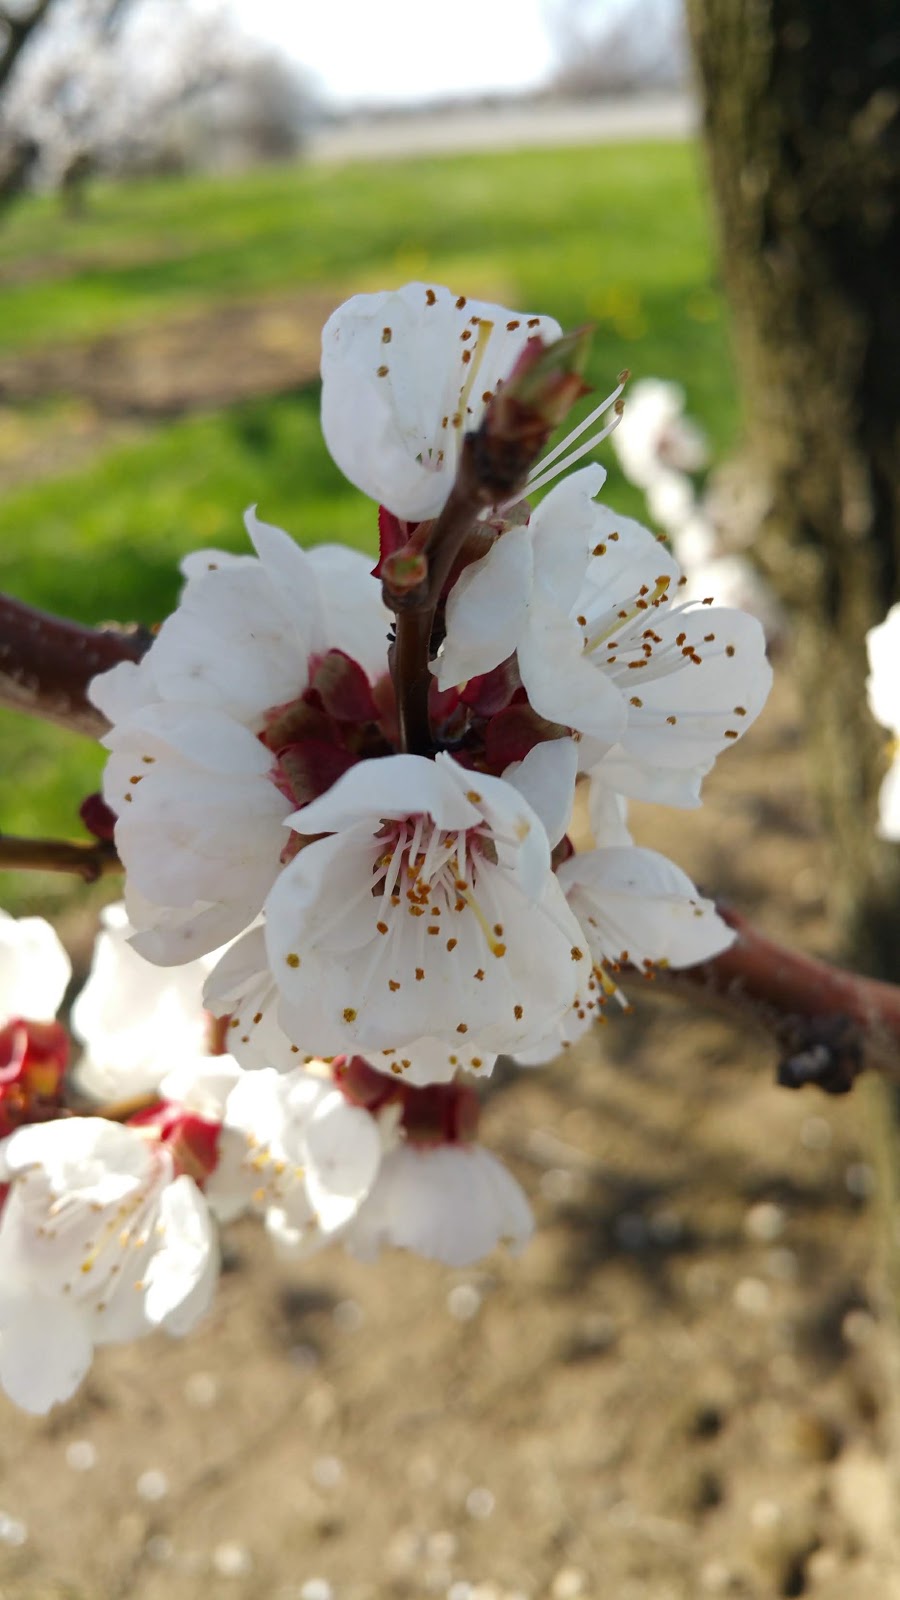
(412, 680)
(90, 860)
(47, 663)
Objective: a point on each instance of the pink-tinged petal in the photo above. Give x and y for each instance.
(637, 902)
(46, 1350)
(486, 610)
(561, 682)
(564, 530)
(546, 779)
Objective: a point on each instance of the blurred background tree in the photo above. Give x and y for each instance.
(617, 48)
(136, 86)
(801, 104)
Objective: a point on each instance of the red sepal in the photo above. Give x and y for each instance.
(192, 1140)
(512, 733)
(33, 1059)
(393, 534)
(309, 767)
(342, 687)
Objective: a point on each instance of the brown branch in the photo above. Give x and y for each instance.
(90, 860)
(46, 664)
(829, 1024)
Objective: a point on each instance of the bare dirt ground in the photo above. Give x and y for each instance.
(679, 1390)
(197, 360)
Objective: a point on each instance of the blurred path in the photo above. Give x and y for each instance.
(507, 127)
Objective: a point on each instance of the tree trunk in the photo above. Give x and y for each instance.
(801, 104)
(802, 121)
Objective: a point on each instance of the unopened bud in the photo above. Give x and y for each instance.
(406, 569)
(545, 382)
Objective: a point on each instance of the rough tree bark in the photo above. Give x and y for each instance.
(802, 121)
(802, 118)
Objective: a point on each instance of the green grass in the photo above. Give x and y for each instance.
(617, 236)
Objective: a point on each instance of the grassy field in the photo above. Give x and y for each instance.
(618, 237)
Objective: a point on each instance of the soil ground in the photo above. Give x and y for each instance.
(678, 1391)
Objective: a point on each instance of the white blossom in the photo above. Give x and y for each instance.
(883, 688)
(100, 1241)
(427, 910)
(453, 1203)
(405, 374)
(199, 805)
(656, 688)
(135, 1018)
(265, 1030)
(296, 1151)
(34, 969)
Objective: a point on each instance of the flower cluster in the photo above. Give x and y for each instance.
(110, 1217)
(344, 805)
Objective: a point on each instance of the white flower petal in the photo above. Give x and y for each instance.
(46, 1350)
(397, 369)
(563, 531)
(636, 905)
(343, 1155)
(355, 619)
(133, 1018)
(34, 969)
(182, 1273)
(608, 812)
(453, 1203)
(562, 683)
(883, 645)
(889, 803)
(546, 779)
(486, 610)
(389, 786)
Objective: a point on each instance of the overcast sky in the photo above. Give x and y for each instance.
(407, 49)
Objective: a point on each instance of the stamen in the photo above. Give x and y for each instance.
(485, 329)
(540, 467)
